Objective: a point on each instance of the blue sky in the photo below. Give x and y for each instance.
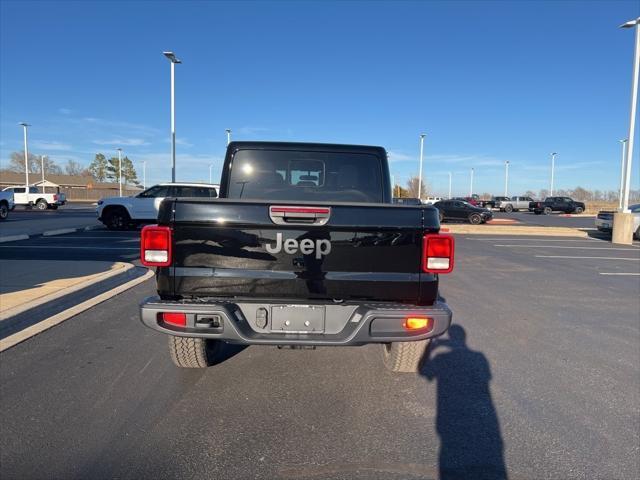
(486, 81)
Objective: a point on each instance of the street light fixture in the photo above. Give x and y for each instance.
(172, 58)
(422, 135)
(553, 168)
(228, 130)
(26, 157)
(119, 170)
(632, 115)
(622, 173)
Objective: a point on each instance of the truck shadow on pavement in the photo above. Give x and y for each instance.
(471, 445)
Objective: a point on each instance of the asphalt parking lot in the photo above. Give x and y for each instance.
(30, 222)
(538, 379)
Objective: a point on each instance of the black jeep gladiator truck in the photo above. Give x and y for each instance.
(304, 247)
(556, 204)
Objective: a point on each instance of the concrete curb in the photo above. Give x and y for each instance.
(123, 267)
(519, 230)
(49, 233)
(46, 324)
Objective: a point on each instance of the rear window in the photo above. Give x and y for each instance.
(193, 191)
(291, 175)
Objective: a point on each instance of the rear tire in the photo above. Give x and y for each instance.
(4, 211)
(187, 352)
(42, 204)
(508, 208)
(117, 219)
(475, 219)
(405, 357)
(579, 210)
(547, 210)
(441, 217)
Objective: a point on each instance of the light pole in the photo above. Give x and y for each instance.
(449, 185)
(471, 187)
(228, 130)
(172, 58)
(42, 170)
(622, 173)
(144, 174)
(26, 158)
(422, 135)
(506, 178)
(632, 115)
(553, 168)
(393, 185)
(210, 178)
(119, 170)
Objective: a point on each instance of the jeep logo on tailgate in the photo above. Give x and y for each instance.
(306, 246)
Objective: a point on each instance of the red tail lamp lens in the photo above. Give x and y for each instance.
(438, 253)
(417, 323)
(155, 246)
(172, 318)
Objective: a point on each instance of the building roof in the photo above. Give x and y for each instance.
(35, 178)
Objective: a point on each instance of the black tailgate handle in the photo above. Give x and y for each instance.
(298, 215)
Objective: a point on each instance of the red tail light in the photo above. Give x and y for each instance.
(155, 246)
(437, 253)
(55, 197)
(177, 319)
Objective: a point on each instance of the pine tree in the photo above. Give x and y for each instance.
(98, 168)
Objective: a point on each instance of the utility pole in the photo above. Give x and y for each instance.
(622, 173)
(42, 170)
(471, 187)
(506, 178)
(119, 170)
(553, 168)
(632, 113)
(172, 58)
(26, 158)
(422, 135)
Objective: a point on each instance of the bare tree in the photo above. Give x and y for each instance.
(412, 188)
(74, 168)
(16, 164)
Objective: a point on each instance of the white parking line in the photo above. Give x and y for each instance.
(592, 258)
(562, 246)
(629, 274)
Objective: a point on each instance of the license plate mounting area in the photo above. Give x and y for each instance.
(297, 319)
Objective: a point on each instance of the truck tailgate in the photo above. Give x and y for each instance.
(235, 248)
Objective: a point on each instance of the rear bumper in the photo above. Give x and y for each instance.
(343, 325)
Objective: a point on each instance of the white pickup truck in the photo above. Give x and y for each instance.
(515, 204)
(122, 213)
(36, 197)
(6, 204)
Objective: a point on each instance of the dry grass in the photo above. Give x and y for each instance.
(595, 207)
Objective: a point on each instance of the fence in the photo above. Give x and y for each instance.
(82, 194)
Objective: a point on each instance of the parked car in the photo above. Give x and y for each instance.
(515, 204)
(604, 220)
(6, 204)
(122, 213)
(36, 198)
(431, 200)
(492, 203)
(462, 210)
(282, 259)
(556, 204)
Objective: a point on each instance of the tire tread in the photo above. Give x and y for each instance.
(187, 352)
(405, 357)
